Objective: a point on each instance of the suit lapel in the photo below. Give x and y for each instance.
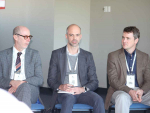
(138, 61)
(123, 62)
(9, 59)
(27, 61)
(63, 58)
(81, 64)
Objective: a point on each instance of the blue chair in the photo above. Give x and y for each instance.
(76, 107)
(37, 106)
(134, 106)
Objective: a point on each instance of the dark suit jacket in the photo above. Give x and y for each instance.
(117, 72)
(86, 69)
(33, 68)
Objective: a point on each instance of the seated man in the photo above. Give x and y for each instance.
(72, 73)
(20, 68)
(128, 72)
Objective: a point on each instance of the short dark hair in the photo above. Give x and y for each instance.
(134, 30)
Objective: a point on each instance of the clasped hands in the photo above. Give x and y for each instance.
(136, 95)
(14, 85)
(72, 89)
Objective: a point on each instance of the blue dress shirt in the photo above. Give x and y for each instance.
(130, 58)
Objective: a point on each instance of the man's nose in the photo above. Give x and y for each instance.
(28, 39)
(74, 36)
(124, 39)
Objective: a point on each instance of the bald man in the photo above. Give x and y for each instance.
(20, 68)
(72, 74)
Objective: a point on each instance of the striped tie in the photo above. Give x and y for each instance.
(18, 63)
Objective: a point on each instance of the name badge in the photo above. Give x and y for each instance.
(17, 76)
(73, 79)
(130, 81)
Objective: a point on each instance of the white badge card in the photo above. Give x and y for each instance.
(73, 79)
(17, 76)
(131, 81)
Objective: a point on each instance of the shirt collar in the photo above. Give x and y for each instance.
(128, 54)
(70, 53)
(16, 51)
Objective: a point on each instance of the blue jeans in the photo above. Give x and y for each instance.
(89, 98)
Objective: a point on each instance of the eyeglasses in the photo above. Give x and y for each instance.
(25, 37)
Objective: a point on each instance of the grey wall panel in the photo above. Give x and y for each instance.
(71, 12)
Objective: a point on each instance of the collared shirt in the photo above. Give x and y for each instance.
(130, 58)
(14, 57)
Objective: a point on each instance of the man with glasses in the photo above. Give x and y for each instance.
(20, 68)
(128, 72)
(72, 74)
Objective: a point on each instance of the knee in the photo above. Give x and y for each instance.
(99, 100)
(69, 99)
(25, 87)
(124, 97)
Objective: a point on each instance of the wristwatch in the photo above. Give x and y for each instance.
(85, 89)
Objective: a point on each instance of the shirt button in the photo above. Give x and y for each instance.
(130, 67)
(131, 59)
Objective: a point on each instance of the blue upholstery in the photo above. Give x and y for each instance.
(77, 107)
(134, 106)
(37, 106)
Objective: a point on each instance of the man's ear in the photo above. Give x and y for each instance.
(136, 40)
(66, 36)
(81, 36)
(15, 37)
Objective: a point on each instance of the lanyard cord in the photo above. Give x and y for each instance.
(132, 63)
(70, 65)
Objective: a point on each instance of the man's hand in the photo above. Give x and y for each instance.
(12, 90)
(66, 87)
(139, 93)
(78, 90)
(71, 88)
(133, 94)
(14, 85)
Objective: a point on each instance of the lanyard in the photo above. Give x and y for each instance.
(132, 63)
(70, 65)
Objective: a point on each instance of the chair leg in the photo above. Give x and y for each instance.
(109, 110)
(90, 110)
(57, 111)
(42, 111)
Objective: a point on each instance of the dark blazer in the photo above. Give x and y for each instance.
(86, 69)
(33, 68)
(117, 72)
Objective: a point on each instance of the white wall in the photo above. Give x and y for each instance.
(71, 12)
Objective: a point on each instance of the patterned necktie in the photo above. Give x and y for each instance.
(18, 63)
